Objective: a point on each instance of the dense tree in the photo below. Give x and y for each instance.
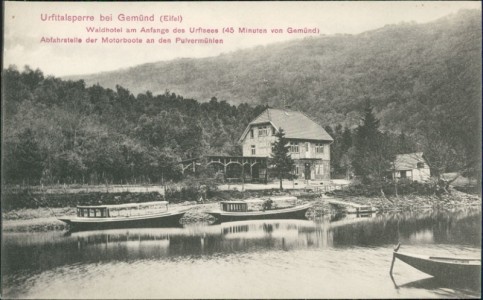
(61, 131)
(339, 151)
(404, 144)
(24, 162)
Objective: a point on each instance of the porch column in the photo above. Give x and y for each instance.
(266, 170)
(224, 168)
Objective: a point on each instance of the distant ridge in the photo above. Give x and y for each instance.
(397, 67)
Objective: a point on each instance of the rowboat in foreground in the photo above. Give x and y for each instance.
(238, 211)
(147, 214)
(453, 268)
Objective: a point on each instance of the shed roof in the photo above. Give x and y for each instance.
(409, 161)
(295, 124)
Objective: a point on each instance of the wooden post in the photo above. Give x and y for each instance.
(394, 258)
(266, 171)
(392, 263)
(243, 176)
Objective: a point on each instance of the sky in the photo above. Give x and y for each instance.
(26, 24)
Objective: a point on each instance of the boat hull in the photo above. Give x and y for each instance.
(287, 213)
(443, 268)
(168, 219)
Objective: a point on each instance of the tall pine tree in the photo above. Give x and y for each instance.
(281, 159)
(373, 154)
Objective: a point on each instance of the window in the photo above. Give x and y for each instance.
(251, 133)
(307, 147)
(319, 169)
(294, 147)
(297, 170)
(319, 148)
(262, 131)
(420, 165)
(253, 150)
(273, 131)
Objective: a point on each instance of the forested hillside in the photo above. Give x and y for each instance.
(422, 81)
(61, 131)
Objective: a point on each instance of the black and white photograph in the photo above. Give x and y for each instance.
(241, 150)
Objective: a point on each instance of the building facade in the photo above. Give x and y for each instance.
(308, 142)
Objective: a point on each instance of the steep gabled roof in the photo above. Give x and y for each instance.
(295, 124)
(409, 161)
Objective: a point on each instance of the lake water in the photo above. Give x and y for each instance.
(336, 257)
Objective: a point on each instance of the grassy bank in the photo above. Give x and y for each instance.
(449, 200)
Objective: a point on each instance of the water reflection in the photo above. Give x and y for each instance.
(46, 250)
(458, 227)
(342, 240)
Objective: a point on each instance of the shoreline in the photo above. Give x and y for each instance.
(42, 219)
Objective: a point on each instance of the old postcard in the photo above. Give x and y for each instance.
(236, 150)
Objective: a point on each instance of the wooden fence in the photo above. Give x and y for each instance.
(77, 188)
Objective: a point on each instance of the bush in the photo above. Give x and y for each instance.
(404, 187)
(27, 199)
(191, 189)
(267, 204)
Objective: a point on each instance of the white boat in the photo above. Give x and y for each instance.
(238, 211)
(147, 214)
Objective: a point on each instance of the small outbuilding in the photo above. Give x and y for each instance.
(412, 166)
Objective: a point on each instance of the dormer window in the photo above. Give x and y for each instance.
(263, 131)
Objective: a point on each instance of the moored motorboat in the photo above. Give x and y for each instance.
(238, 211)
(453, 268)
(351, 208)
(147, 214)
